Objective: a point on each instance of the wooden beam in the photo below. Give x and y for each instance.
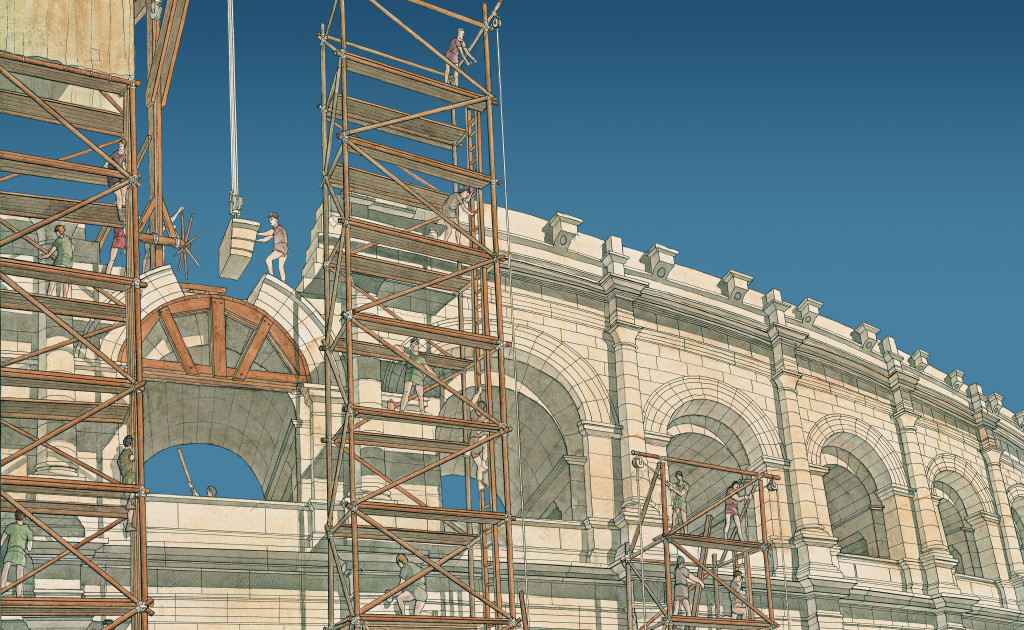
(52, 273)
(43, 207)
(435, 168)
(62, 306)
(53, 169)
(245, 363)
(87, 118)
(91, 79)
(16, 377)
(218, 334)
(423, 130)
(411, 81)
(40, 410)
(166, 50)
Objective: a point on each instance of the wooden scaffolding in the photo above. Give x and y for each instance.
(470, 548)
(658, 589)
(109, 397)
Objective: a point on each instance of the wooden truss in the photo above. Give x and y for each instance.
(650, 565)
(97, 304)
(469, 548)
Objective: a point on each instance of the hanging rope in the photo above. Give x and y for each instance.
(512, 324)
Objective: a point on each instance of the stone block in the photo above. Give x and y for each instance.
(955, 379)
(919, 360)
(236, 247)
(866, 336)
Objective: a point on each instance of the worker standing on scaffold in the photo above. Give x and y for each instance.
(127, 470)
(457, 45)
(416, 593)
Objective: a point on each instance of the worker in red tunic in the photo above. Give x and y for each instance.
(457, 45)
(280, 252)
(121, 195)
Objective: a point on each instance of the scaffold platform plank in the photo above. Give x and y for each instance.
(411, 81)
(36, 166)
(43, 271)
(727, 544)
(66, 606)
(90, 79)
(434, 360)
(382, 187)
(369, 413)
(36, 409)
(71, 307)
(426, 622)
(427, 166)
(67, 487)
(41, 207)
(383, 268)
(414, 536)
(370, 232)
(67, 508)
(14, 377)
(386, 440)
(719, 622)
(378, 508)
(423, 130)
(426, 331)
(84, 118)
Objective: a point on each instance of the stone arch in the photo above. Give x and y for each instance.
(856, 514)
(703, 396)
(868, 446)
(966, 471)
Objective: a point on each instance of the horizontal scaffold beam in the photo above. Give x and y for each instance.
(66, 606)
(426, 331)
(369, 413)
(63, 306)
(427, 166)
(411, 81)
(383, 268)
(67, 487)
(423, 130)
(426, 622)
(15, 377)
(378, 508)
(52, 273)
(382, 187)
(42, 207)
(36, 409)
(22, 164)
(82, 117)
(415, 536)
(66, 508)
(90, 79)
(402, 240)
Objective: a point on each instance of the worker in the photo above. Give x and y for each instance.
(479, 454)
(417, 593)
(64, 251)
(682, 578)
(732, 513)
(739, 609)
(679, 489)
(454, 207)
(414, 377)
(126, 467)
(18, 537)
(456, 46)
(120, 195)
(211, 491)
(280, 253)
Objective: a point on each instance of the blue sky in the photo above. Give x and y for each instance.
(868, 155)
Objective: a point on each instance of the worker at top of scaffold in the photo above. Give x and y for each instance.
(455, 47)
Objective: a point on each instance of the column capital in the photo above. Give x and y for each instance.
(624, 334)
(786, 380)
(575, 460)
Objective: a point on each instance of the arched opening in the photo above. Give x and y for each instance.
(252, 424)
(958, 506)
(854, 510)
(208, 466)
(709, 432)
(552, 471)
(1017, 514)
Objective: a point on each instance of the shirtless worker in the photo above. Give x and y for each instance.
(456, 46)
(280, 252)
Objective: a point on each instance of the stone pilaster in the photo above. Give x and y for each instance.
(1013, 585)
(622, 329)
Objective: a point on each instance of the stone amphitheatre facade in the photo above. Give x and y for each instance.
(901, 504)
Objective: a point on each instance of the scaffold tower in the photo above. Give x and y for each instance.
(71, 369)
(420, 296)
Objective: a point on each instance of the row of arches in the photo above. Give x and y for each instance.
(554, 391)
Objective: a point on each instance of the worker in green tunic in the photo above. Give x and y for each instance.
(125, 465)
(18, 536)
(416, 592)
(679, 490)
(414, 376)
(64, 251)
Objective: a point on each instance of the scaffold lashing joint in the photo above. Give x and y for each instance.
(346, 316)
(141, 607)
(340, 53)
(133, 180)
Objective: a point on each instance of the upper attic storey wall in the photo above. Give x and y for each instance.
(688, 317)
(96, 35)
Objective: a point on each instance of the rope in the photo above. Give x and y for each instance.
(231, 96)
(512, 324)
